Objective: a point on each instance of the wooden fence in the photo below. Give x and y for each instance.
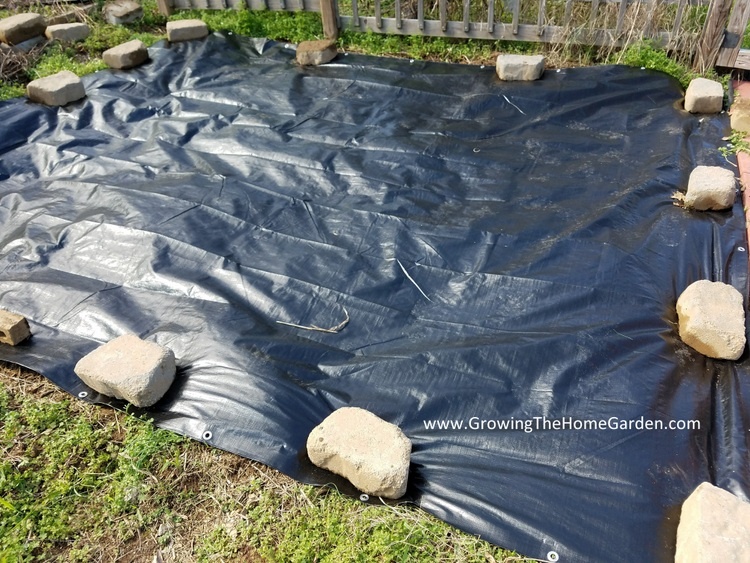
(711, 30)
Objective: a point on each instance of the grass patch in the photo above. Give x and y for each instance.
(85, 483)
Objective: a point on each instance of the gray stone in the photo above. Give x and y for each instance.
(14, 328)
(710, 188)
(186, 30)
(714, 527)
(371, 453)
(711, 319)
(121, 12)
(67, 32)
(56, 90)
(126, 55)
(316, 52)
(129, 368)
(704, 96)
(19, 28)
(520, 67)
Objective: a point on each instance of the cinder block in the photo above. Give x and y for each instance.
(121, 12)
(714, 527)
(186, 30)
(67, 32)
(710, 188)
(704, 96)
(371, 453)
(520, 67)
(126, 55)
(129, 368)
(19, 28)
(14, 328)
(316, 52)
(57, 90)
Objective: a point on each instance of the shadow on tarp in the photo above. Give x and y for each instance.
(204, 197)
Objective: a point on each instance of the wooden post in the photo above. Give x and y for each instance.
(712, 35)
(330, 19)
(165, 7)
(733, 38)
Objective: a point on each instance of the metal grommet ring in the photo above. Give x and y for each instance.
(364, 498)
(553, 556)
(207, 435)
(83, 394)
(475, 149)
(741, 248)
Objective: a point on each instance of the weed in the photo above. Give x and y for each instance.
(736, 143)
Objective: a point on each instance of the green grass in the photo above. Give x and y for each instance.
(85, 483)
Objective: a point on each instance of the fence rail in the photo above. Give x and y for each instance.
(710, 29)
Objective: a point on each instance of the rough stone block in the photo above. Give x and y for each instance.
(520, 67)
(714, 527)
(371, 453)
(739, 115)
(14, 328)
(67, 32)
(129, 368)
(126, 55)
(704, 96)
(121, 12)
(186, 30)
(316, 52)
(19, 28)
(711, 319)
(56, 90)
(710, 188)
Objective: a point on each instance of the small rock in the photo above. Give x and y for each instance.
(714, 527)
(711, 319)
(710, 188)
(67, 32)
(371, 453)
(704, 96)
(186, 30)
(121, 12)
(14, 328)
(56, 90)
(129, 368)
(126, 55)
(316, 52)
(520, 67)
(19, 28)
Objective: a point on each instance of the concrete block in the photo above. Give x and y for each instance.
(711, 319)
(316, 52)
(67, 32)
(186, 30)
(704, 96)
(714, 527)
(14, 328)
(121, 12)
(19, 28)
(520, 67)
(129, 368)
(57, 90)
(126, 55)
(371, 453)
(710, 188)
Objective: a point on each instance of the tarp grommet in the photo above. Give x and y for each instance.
(207, 435)
(553, 556)
(83, 394)
(364, 497)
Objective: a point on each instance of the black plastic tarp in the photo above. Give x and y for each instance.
(503, 252)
